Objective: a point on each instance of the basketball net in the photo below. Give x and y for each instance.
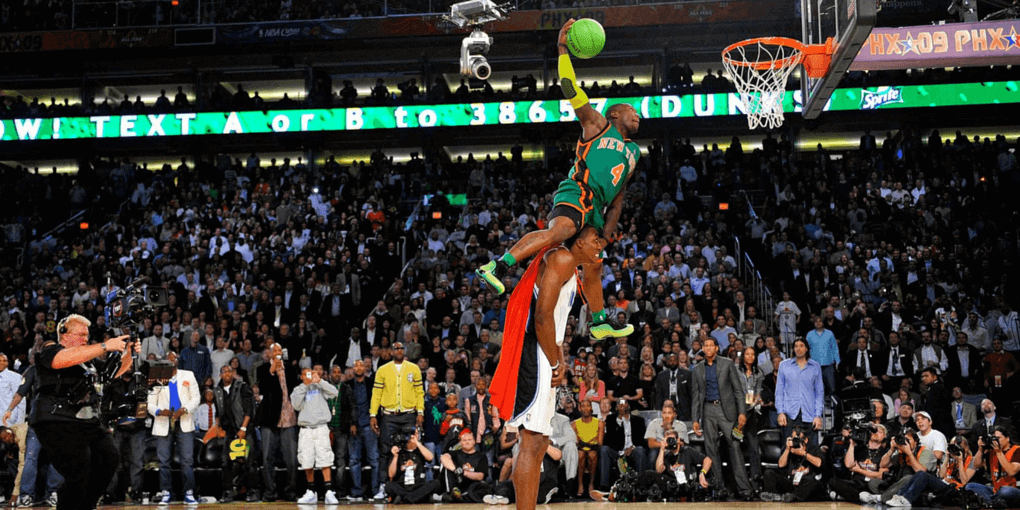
(760, 68)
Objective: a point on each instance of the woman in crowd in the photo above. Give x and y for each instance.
(589, 431)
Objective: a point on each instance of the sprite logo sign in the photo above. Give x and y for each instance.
(880, 97)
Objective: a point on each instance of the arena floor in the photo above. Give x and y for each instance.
(589, 505)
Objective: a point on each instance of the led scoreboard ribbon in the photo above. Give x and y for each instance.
(479, 114)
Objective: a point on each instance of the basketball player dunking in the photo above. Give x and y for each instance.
(592, 194)
(532, 366)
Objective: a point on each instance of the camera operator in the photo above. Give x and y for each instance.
(905, 458)
(865, 466)
(677, 464)
(407, 470)
(953, 475)
(1003, 464)
(66, 414)
(120, 407)
(799, 467)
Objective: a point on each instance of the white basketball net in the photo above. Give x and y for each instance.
(760, 70)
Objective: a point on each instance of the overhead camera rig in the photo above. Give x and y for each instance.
(474, 47)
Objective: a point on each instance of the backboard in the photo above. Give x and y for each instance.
(848, 22)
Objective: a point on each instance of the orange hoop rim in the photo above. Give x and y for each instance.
(801, 48)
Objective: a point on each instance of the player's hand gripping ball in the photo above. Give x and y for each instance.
(586, 38)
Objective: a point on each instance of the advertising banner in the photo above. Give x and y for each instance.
(481, 114)
(957, 44)
(275, 32)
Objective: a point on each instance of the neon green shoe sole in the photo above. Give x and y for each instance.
(610, 330)
(488, 274)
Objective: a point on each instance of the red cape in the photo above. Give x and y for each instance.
(503, 390)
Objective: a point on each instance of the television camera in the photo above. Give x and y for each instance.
(475, 47)
(125, 309)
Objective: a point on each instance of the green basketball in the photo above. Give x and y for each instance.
(586, 38)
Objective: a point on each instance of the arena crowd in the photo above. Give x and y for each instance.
(887, 373)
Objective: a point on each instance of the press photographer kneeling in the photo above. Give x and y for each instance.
(66, 415)
(1003, 465)
(797, 476)
(905, 458)
(676, 475)
(863, 461)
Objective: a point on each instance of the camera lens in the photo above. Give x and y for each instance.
(480, 68)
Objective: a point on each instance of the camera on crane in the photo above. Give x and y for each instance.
(473, 48)
(472, 55)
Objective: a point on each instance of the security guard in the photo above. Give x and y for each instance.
(66, 414)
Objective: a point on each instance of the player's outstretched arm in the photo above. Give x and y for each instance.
(592, 122)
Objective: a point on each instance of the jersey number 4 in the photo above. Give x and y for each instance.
(618, 173)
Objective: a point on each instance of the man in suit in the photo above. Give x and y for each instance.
(173, 407)
(352, 350)
(964, 364)
(350, 283)
(277, 421)
(157, 344)
(964, 414)
(896, 364)
(332, 309)
(860, 358)
(988, 421)
(624, 436)
(935, 400)
(674, 383)
(618, 283)
(210, 300)
(717, 402)
(668, 311)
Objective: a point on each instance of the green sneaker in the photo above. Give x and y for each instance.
(492, 274)
(610, 328)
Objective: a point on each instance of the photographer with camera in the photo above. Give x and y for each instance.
(864, 460)
(66, 412)
(314, 450)
(799, 467)
(409, 457)
(1003, 464)
(905, 458)
(953, 475)
(675, 467)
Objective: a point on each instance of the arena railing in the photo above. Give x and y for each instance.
(758, 289)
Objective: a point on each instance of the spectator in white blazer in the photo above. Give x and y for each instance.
(174, 406)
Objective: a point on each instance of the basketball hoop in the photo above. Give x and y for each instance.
(760, 68)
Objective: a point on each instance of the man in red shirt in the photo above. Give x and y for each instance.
(1001, 366)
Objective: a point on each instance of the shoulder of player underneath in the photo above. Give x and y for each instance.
(560, 258)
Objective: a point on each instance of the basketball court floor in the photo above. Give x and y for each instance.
(571, 505)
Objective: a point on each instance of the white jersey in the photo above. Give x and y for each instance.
(564, 302)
